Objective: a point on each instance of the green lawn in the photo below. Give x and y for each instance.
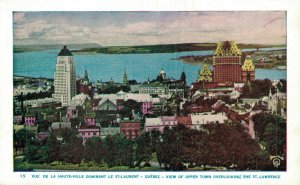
(19, 165)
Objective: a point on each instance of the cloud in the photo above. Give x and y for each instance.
(19, 17)
(138, 28)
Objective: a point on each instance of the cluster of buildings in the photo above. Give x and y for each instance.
(161, 103)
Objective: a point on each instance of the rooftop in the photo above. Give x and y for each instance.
(65, 52)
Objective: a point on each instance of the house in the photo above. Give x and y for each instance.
(131, 129)
(153, 124)
(88, 131)
(200, 119)
(144, 99)
(29, 120)
(160, 123)
(169, 121)
(107, 104)
(184, 120)
(89, 118)
(60, 125)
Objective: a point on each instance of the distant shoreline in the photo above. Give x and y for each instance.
(207, 59)
(145, 49)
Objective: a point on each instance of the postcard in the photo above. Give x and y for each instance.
(152, 96)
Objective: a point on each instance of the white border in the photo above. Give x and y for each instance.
(7, 176)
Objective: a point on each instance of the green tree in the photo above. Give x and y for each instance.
(53, 148)
(110, 151)
(143, 150)
(21, 138)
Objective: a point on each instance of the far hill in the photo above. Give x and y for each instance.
(26, 48)
(162, 48)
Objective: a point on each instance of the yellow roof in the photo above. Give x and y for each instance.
(227, 48)
(248, 64)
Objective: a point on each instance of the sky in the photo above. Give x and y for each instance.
(148, 28)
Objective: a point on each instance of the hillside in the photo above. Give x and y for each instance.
(163, 48)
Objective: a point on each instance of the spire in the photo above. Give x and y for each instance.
(125, 77)
(86, 76)
(183, 76)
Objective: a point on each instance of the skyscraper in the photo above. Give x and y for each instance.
(64, 77)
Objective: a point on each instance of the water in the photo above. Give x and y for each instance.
(105, 66)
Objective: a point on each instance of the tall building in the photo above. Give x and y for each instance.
(227, 62)
(64, 77)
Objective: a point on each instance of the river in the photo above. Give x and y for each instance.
(105, 66)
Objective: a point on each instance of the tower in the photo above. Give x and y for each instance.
(183, 77)
(86, 76)
(204, 75)
(125, 78)
(227, 62)
(248, 70)
(163, 74)
(64, 77)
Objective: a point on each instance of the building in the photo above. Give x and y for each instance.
(248, 70)
(145, 101)
(200, 119)
(153, 124)
(60, 125)
(169, 121)
(131, 129)
(29, 120)
(107, 104)
(154, 88)
(125, 79)
(88, 131)
(204, 75)
(184, 120)
(227, 62)
(160, 123)
(64, 77)
(89, 118)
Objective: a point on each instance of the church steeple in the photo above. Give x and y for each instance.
(86, 76)
(125, 78)
(183, 76)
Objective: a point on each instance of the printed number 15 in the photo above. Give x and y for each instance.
(22, 175)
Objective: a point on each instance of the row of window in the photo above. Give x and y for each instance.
(89, 133)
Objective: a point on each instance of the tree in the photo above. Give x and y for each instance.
(36, 152)
(110, 151)
(93, 150)
(72, 152)
(88, 151)
(143, 150)
(271, 131)
(21, 138)
(53, 148)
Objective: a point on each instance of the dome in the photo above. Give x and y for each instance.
(162, 72)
